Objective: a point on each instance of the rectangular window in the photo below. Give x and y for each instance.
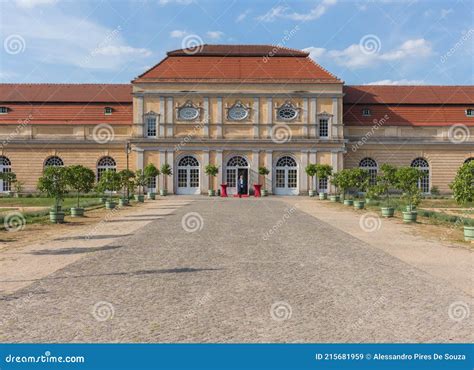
(323, 128)
(108, 111)
(323, 185)
(151, 184)
(366, 112)
(151, 126)
(3, 110)
(470, 112)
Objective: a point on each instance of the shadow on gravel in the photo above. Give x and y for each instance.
(136, 219)
(81, 237)
(130, 273)
(150, 215)
(43, 252)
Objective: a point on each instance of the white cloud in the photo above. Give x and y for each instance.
(179, 2)
(355, 56)
(121, 50)
(177, 34)
(242, 16)
(281, 11)
(57, 37)
(215, 35)
(445, 12)
(28, 4)
(398, 82)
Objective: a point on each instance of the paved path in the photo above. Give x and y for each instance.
(238, 271)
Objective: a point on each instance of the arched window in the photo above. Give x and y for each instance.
(188, 161)
(423, 165)
(54, 161)
(370, 165)
(105, 164)
(5, 166)
(188, 175)
(237, 161)
(469, 160)
(286, 162)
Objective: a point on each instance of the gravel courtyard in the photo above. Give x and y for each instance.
(237, 270)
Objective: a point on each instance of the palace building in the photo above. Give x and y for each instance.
(238, 107)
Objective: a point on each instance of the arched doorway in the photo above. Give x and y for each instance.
(423, 165)
(286, 176)
(188, 175)
(236, 166)
(370, 165)
(105, 164)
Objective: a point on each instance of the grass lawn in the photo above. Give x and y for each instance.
(44, 202)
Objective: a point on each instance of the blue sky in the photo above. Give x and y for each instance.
(368, 41)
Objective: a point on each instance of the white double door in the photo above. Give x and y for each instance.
(286, 181)
(188, 180)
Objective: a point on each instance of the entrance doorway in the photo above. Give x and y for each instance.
(236, 166)
(286, 176)
(188, 175)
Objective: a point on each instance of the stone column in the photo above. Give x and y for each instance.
(220, 165)
(204, 177)
(269, 165)
(312, 159)
(162, 121)
(140, 158)
(256, 117)
(305, 118)
(205, 130)
(219, 118)
(335, 119)
(162, 161)
(170, 179)
(254, 168)
(139, 124)
(303, 177)
(269, 117)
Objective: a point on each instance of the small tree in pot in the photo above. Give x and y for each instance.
(323, 171)
(463, 192)
(335, 181)
(81, 180)
(165, 171)
(386, 181)
(140, 182)
(311, 170)
(151, 172)
(360, 182)
(10, 178)
(109, 182)
(264, 171)
(211, 171)
(344, 180)
(407, 182)
(54, 184)
(126, 183)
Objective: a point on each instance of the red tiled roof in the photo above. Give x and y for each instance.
(380, 94)
(71, 93)
(238, 63)
(409, 105)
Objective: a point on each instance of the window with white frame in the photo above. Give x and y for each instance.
(105, 164)
(108, 111)
(324, 127)
(366, 112)
(3, 110)
(150, 125)
(323, 185)
(152, 185)
(5, 166)
(470, 112)
(423, 165)
(370, 165)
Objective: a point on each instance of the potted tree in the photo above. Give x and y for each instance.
(151, 172)
(81, 180)
(211, 171)
(165, 171)
(335, 180)
(345, 181)
(311, 170)
(53, 183)
(126, 183)
(360, 182)
(463, 192)
(407, 182)
(140, 182)
(386, 181)
(323, 171)
(10, 178)
(264, 171)
(109, 182)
